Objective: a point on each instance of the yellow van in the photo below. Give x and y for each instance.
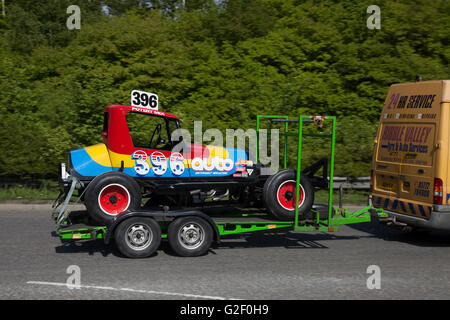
(410, 166)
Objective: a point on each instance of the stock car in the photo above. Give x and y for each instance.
(139, 162)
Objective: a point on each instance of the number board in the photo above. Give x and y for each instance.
(144, 99)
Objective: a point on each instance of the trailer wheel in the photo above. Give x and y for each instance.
(138, 237)
(279, 195)
(110, 194)
(190, 236)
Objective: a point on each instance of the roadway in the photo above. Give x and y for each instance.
(266, 265)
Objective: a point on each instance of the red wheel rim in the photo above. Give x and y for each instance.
(114, 199)
(286, 195)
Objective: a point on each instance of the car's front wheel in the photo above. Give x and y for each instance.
(110, 194)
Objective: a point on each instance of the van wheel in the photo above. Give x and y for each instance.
(110, 194)
(190, 236)
(279, 195)
(138, 237)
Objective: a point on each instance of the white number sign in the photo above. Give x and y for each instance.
(144, 99)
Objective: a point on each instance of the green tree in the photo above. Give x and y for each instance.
(221, 63)
(29, 24)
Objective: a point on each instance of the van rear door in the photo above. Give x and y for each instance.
(404, 153)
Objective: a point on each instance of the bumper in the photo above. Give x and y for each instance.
(439, 220)
(64, 178)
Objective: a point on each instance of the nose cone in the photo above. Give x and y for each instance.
(91, 161)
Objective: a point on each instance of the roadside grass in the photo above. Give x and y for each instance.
(49, 193)
(350, 196)
(27, 194)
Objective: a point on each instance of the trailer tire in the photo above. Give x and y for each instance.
(190, 236)
(137, 237)
(111, 193)
(279, 195)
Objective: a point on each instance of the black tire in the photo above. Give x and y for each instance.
(190, 236)
(281, 205)
(137, 237)
(103, 205)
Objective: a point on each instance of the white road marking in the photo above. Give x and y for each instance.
(60, 284)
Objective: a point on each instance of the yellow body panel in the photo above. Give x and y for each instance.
(412, 148)
(117, 158)
(99, 153)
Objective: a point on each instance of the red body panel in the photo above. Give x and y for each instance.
(119, 139)
(197, 160)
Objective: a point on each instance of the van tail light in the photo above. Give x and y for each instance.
(371, 182)
(437, 195)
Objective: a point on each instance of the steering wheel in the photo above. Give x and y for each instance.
(157, 129)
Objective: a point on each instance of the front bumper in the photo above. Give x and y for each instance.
(64, 178)
(69, 183)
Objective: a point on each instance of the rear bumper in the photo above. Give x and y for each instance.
(439, 220)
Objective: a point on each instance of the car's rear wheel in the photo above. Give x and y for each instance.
(110, 194)
(279, 195)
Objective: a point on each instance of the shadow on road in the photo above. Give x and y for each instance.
(261, 239)
(283, 239)
(266, 239)
(277, 239)
(288, 240)
(90, 246)
(430, 238)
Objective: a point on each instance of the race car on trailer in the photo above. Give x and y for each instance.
(140, 159)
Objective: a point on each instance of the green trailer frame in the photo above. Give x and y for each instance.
(340, 216)
(256, 221)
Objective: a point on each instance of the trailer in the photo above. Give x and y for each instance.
(191, 231)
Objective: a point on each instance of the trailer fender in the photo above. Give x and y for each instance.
(162, 214)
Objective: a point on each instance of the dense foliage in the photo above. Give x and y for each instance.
(221, 62)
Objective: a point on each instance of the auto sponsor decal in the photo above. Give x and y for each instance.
(216, 163)
(159, 164)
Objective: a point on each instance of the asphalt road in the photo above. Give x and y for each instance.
(267, 265)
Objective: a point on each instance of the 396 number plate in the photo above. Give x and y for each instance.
(144, 99)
